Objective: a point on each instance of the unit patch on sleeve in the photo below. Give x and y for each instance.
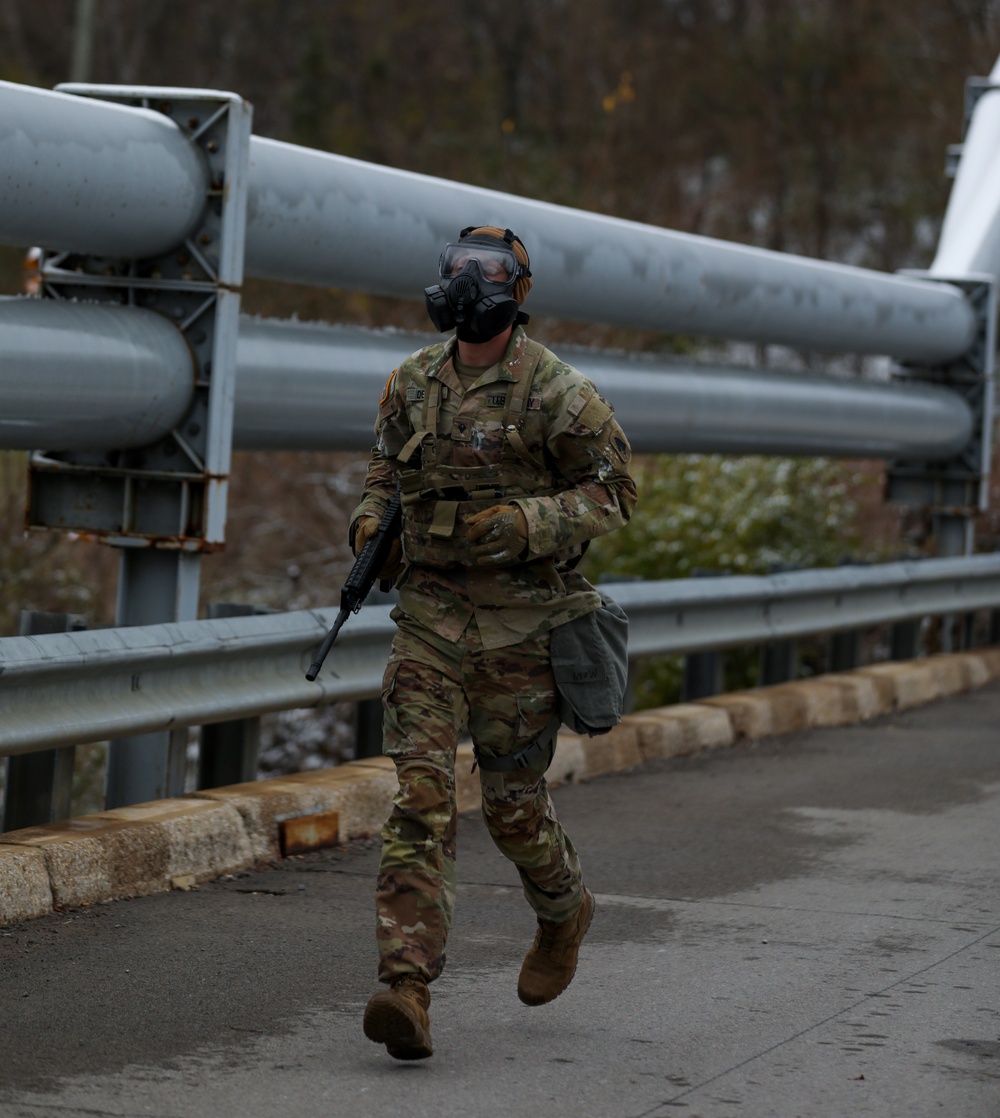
(389, 384)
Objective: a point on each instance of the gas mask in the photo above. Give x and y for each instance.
(475, 295)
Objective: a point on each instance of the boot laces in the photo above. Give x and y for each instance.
(549, 936)
(411, 988)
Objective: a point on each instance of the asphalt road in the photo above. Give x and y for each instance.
(806, 927)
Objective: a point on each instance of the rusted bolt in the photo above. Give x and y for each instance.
(192, 123)
(205, 238)
(212, 145)
(183, 258)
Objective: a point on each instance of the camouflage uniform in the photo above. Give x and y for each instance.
(472, 645)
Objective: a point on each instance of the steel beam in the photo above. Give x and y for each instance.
(78, 687)
(91, 177)
(970, 233)
(306, 386)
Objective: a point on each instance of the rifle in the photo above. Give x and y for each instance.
(363, 575)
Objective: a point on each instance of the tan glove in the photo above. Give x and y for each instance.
(365, 528)
(499, 535)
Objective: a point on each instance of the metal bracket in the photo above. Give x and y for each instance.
(171, 494)
(975, 88)
(959, 486)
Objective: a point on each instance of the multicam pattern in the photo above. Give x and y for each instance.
(568, 427)
(432, 688)
(472, 645)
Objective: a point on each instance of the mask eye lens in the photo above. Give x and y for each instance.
(495, 266)
(455, 262)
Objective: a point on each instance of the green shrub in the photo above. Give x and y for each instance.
(712, 514)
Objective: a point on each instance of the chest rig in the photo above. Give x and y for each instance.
(439, 495)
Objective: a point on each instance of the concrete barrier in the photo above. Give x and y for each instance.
(136, 850)
(174, 844)
(360, 792)
(24, 884)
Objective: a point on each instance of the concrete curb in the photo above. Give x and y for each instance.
(177, 843)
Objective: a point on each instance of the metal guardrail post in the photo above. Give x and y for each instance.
(229, 751)
(845, 651)
(905, 640)
(39, 786)
(846, 644)
(779, 662)
(954, 490)
(702, 670)
(966, 631)
(163, 503)
(702, 676)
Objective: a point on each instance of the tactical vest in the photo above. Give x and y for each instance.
(439, 497)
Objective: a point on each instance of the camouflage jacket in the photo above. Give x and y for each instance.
(570, 439)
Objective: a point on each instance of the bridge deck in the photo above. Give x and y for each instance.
(801, 925)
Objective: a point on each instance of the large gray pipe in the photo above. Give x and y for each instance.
(92, 176)
(81, 377)
(312, 386)
(326, 219)
(81, 174)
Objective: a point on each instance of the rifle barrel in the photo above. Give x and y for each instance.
(327, 644)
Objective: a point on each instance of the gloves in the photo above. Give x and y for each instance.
(365, 528)
(499, 536)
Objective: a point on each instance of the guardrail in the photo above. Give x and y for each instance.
(71, 688)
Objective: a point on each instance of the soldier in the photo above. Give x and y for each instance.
(508, 462)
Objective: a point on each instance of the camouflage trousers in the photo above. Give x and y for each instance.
(432, 689)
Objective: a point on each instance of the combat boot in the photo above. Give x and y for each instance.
(398, 1018)
(549, 966)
